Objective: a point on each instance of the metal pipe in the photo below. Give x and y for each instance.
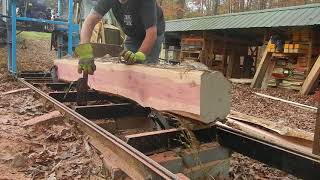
(41, 20)
(13, 52)
(59, 8)
(70, 27)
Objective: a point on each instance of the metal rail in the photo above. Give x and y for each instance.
(129, 160)
(296, 163)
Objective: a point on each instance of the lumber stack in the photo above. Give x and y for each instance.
(202, 93)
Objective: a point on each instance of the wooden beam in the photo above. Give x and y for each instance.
(311, 79)
(310, 50)
(203, 93)
(262, 68)
(230, 65)
(224, 57)
(236, 73)
(233, 70)
(268, 74)
(316, 140)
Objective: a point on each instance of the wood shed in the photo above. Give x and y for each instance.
(275, 47)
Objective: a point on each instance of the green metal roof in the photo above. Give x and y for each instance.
(306, 15)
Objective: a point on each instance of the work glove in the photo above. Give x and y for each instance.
(130, 58)
(86, 59)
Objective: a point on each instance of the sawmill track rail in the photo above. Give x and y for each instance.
(132, 155)
(305, 166)
(134, 163)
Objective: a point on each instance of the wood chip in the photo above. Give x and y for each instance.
(41, 119)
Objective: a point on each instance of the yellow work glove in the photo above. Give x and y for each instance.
(132, 58)
(86, 59)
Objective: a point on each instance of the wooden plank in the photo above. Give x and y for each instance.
(311, 108)
(267, 136)
(42, 119)
(261, 71)
(236, 73)
(316, 140)
(303, 136)
(231, 65)
(268, 74)
(310, 50)
(241, 81)
(311, 79)
(204, 93)
(224, 60)
(15, 91)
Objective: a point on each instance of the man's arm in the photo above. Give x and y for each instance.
(148, 13)
(93, 18)
(88, 25)
(149, 40)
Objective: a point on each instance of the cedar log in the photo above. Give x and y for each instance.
(202, 93)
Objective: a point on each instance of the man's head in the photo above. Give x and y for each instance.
(123, 1)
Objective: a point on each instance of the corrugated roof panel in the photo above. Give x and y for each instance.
(301, 20)
(314, 19)
(248, 20)
(280, 17)
(258, 19)
(228, 22)
(292, 18)
(208, 23)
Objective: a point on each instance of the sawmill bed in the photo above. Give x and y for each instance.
(158, 135)
(168, 139)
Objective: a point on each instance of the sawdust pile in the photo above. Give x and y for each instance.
(245, 101)
(244, 168)
(31, 55)
(45, 151)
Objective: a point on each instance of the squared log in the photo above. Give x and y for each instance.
(202, 93)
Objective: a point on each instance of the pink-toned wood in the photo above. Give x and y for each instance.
(51, 116)
(162, 89)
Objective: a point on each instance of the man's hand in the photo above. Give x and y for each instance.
(86, 61)
(132, 58)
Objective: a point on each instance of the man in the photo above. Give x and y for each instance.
(141, 20)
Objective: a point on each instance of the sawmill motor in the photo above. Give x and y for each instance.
(34, 9)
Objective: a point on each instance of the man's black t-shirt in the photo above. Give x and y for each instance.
(135, 16)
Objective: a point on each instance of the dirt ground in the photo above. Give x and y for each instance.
(45, 151)
(245, 101)
(58, 151)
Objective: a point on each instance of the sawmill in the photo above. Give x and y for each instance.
(172, 120)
